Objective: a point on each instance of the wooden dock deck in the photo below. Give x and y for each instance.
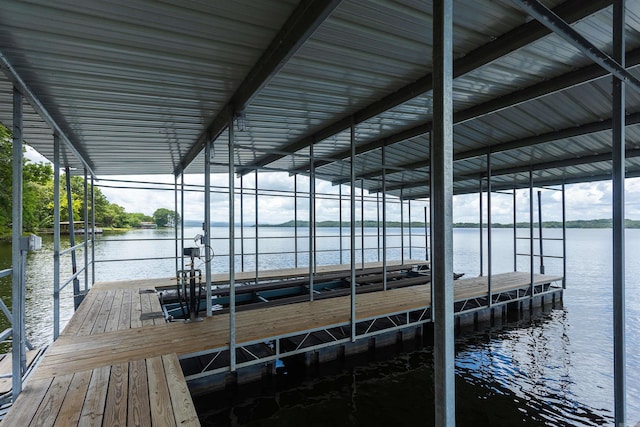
(117, 361)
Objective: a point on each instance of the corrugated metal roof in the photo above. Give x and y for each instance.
(135, 85)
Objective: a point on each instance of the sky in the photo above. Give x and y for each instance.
(583, 201)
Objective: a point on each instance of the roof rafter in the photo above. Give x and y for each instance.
(571, 132)
(570, 11)
(302, 23)
(547, 87)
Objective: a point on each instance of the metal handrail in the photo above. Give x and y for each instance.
(5, 273)
(72, 278)
(72, 248)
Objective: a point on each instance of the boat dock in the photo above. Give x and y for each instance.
(118, 362)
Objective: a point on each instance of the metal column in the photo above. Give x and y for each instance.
(175, 222)
(312, 224)
(564, 240)
(489, 259)
(352, 226)
(378, 222)
(257, 230)
(481, 232)
(515, 234)
(401, 227)
(618, 173)
(384, 220)
(442, 217)
(232, 251)
(409, 209)
(540, 241)
(340, 215)
(86, 233)
(362, 221)
(93, 232)
(72, 239)
(18, 286)
(56, 236)
(182, 219)
(531, 245)
(295, 219)
(206, 227)
(241, 222)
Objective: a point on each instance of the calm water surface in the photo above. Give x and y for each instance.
(553, 370)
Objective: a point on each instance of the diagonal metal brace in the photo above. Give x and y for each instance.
(556, 24)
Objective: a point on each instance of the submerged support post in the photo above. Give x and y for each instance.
(312, 225)
(352, 226)
(618, 173)
(442, 217)
(56, 236)
(541, 242)
(489, 259)
(18, 265)
(72, 241)
(232, 251)
(207, 225)
(86, 232)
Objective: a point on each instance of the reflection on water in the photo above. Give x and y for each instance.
(555, 370)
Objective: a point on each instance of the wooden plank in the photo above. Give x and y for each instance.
(113, 318)
(183, 408)
(88, 322)
(138, 412)
(6, 367)
(101, 320)
(159, 398)
(93, 408)
(22, 412)
(117, 395)
(136, 309)
(48, 410)
(145, 301)
(72, 406)
(125, 313)
(76, 321)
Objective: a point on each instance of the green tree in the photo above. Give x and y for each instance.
(165, 217)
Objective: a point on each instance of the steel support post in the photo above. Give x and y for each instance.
(72, 240)
(242, 223)
(564, 239)
(295, 219)
(384, 219)
(378, 223)
(257, 229)
(362, 221)
(182, 219)
(17, 280)
(352, 226)
(56, 236)
(409, 212)
(312, 225)
(426, 236)
(481, 231)
(531, 243)
(515, 234)
(175, 222)
(618, 173)
(232, 251)
(489, 259)
(340, 215)
(540, 241)
(442, 217)
(401, 227)
(93, 231)
(86, 232)
(206, 227)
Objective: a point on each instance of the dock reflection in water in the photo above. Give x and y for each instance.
(520, 374)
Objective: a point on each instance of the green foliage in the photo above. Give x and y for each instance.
(165, 217)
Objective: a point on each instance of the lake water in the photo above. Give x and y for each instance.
(554, 370)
